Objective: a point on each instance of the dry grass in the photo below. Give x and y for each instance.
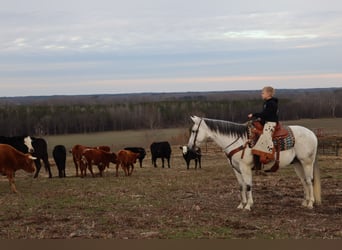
(170, 203)
(167, 203)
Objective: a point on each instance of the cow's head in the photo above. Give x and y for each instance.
(184, 149)
(114, 158)
(30, 166)
(28, 144)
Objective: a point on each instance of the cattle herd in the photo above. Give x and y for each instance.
(27, 152)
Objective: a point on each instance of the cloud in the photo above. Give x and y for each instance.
(217, 41)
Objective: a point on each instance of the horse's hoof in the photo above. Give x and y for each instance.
(304, 203)
(240, 206)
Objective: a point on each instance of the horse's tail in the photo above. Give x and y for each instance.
(317, 184)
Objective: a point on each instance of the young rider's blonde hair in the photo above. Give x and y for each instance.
(270, 90)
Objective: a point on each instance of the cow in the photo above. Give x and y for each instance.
(12, 160)
(140, 151)
(160, 150)
(189, 155)
(41, 153)
(77, 151)
(34, 145)
(59, 155)
(97, 157)
(126, 159)
(21, 143)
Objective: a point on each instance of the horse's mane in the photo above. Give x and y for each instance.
(226, 127)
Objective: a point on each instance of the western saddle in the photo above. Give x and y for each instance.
(279, 133)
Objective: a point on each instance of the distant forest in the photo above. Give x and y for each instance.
(52, 115)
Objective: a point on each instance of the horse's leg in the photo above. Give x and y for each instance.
(246, 173)
(308, 172)
(300, 172)
(243, 195)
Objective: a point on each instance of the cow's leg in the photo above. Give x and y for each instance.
(60, 172)
(162, 162)
(100, 170)
(187, 164)
(11, 182)
(76, 164)
(90, 167)
(117, 170)
(125, 167)
(199, 162)
(38, 166)
(140, 162)
(132, 168)
(63, 171)
(47, 165)
(168, 162)
(196, 164)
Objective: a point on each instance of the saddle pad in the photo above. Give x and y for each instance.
(285, 143)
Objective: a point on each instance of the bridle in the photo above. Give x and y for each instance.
(196, 133)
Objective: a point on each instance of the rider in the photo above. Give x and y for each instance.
(269, 118)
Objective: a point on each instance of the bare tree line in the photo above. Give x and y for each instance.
(86, 114)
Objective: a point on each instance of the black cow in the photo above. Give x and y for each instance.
(21, 143)
(160, 150)
(140, 151)
(40, 151)
(189, 155)
(59, 155)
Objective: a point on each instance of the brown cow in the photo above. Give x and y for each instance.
(12, 160)
(77, 151)
(126, 159)
(97, 157)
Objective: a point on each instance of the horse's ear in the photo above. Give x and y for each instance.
(193, 118)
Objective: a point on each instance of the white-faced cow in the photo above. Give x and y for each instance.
(59, 155)
(160, 150)
(189, 155)
(12, 160)
(21, 143)
(140, 151)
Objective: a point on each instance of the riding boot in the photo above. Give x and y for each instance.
(257, 163)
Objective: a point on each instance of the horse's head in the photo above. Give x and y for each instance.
(198, 133)
(28, 144)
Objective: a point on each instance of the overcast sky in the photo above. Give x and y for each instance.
(111, 46)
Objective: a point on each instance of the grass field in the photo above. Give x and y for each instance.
(167, 203)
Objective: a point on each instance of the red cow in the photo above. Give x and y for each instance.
(126, 159)
(12, 160)
(77, 151)
(97, 157)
